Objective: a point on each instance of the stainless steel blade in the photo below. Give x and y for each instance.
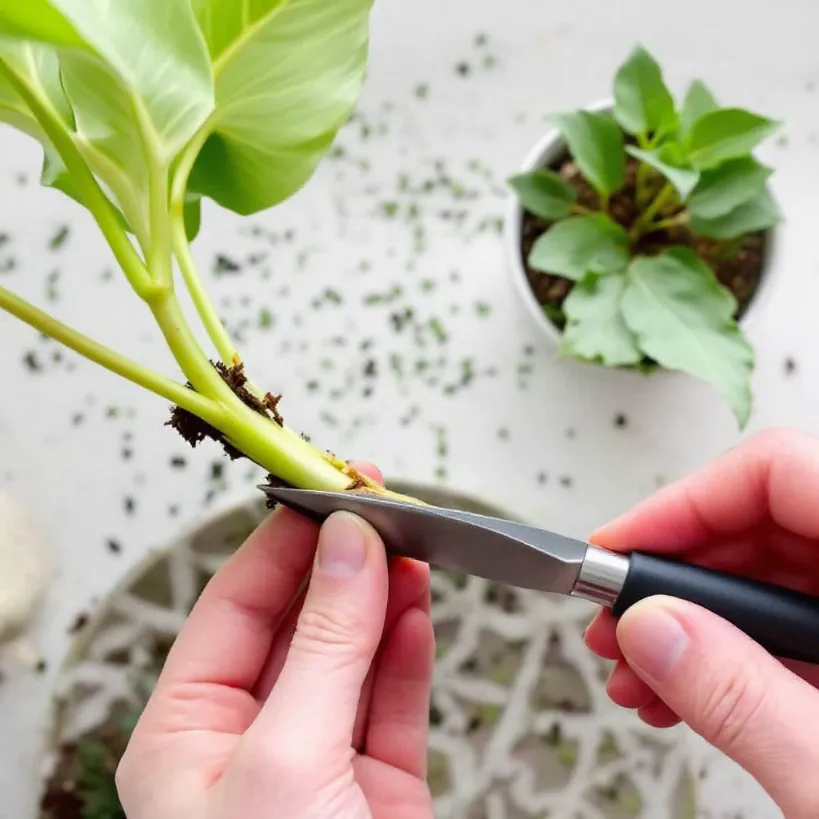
(508, 552)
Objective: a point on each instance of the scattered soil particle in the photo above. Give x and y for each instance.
(114, 546)
(80, 622)
(620, 420)
(790, 366)
(739, 271)
(566, 482)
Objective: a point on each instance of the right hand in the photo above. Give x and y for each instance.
(754, 512)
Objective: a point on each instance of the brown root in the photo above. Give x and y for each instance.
(194, 430)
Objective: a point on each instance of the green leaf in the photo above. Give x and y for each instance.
(728, 133)
(596, 144)
(725, 188)
(288, 75)
(192, 213)
(698, 102)
(683, 319)
(760, 213)
(592, 243)
(642, 103)
(684, 180)
(544, 193)
(595, 330)
(139, 85)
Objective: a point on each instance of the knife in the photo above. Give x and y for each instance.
(784, 622)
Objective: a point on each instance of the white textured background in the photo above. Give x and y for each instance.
(534, 416)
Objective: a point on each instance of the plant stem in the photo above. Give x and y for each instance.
(672, 221)
(580, 209)
(647, 217)
(181, 248)
(200, 405)
(94, 198)
(641, 183)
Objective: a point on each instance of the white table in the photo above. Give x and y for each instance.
(66, 454)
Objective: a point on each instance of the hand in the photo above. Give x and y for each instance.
(284, 701)
(754, 512)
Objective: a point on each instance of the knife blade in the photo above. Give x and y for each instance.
(784, 622)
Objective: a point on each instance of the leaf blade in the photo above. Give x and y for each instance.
(683, 319)
(591, 243)
(698, 102)
(595, 329)
(759, 213)
(642, 102)
(597, 145)
(728, 186)
(684, 180)
(727, 133)
(299, 64)
(544, 193)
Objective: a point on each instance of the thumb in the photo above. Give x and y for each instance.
(731, 692)
(315, 699)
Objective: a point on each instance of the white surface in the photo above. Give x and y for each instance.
(549, 56)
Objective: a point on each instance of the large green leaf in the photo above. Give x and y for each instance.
(728, 133)
(759, 213)
(139, 83)
(698, 102)
(595, 330)
(642, 103)
(596, 144)
(592, 243)
(683, 319)
(663, 160)
(544, 193)
(288, 74)
(727, 187)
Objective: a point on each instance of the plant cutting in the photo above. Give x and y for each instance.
(645, 238)
(145, 108)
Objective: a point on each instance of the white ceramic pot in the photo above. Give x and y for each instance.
(548, 150)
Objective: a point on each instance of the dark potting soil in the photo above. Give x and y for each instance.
(739, 269)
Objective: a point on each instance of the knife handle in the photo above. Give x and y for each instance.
(784, 622)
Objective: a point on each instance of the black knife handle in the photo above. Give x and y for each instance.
(784, 622)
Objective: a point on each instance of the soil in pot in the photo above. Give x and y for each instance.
(738, 267)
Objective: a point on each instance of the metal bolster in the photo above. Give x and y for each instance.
(601, 577)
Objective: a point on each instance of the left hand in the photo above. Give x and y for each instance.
(292, 693)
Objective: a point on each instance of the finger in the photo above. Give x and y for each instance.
(399, 712)
(774, 474)
(315, 699)
(658, 715)
(731, 692)
(627, 690)
(601, 636)
(408, 588)
(281, 642)
(223, 645)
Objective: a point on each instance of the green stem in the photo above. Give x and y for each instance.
(646, 219)
(672, 221)
(93, 197)
(205, 408)
(580, 209)
(641, 183)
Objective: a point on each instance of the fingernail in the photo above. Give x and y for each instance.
(342, 547)
(652, 640)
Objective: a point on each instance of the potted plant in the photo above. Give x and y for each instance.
(640, 231)
(576, 746)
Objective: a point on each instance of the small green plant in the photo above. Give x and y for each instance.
(665, 194)
(146, 107)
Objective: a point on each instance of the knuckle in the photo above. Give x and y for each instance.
(729, 707)
(324, 632)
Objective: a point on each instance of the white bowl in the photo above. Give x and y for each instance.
(549, 148)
